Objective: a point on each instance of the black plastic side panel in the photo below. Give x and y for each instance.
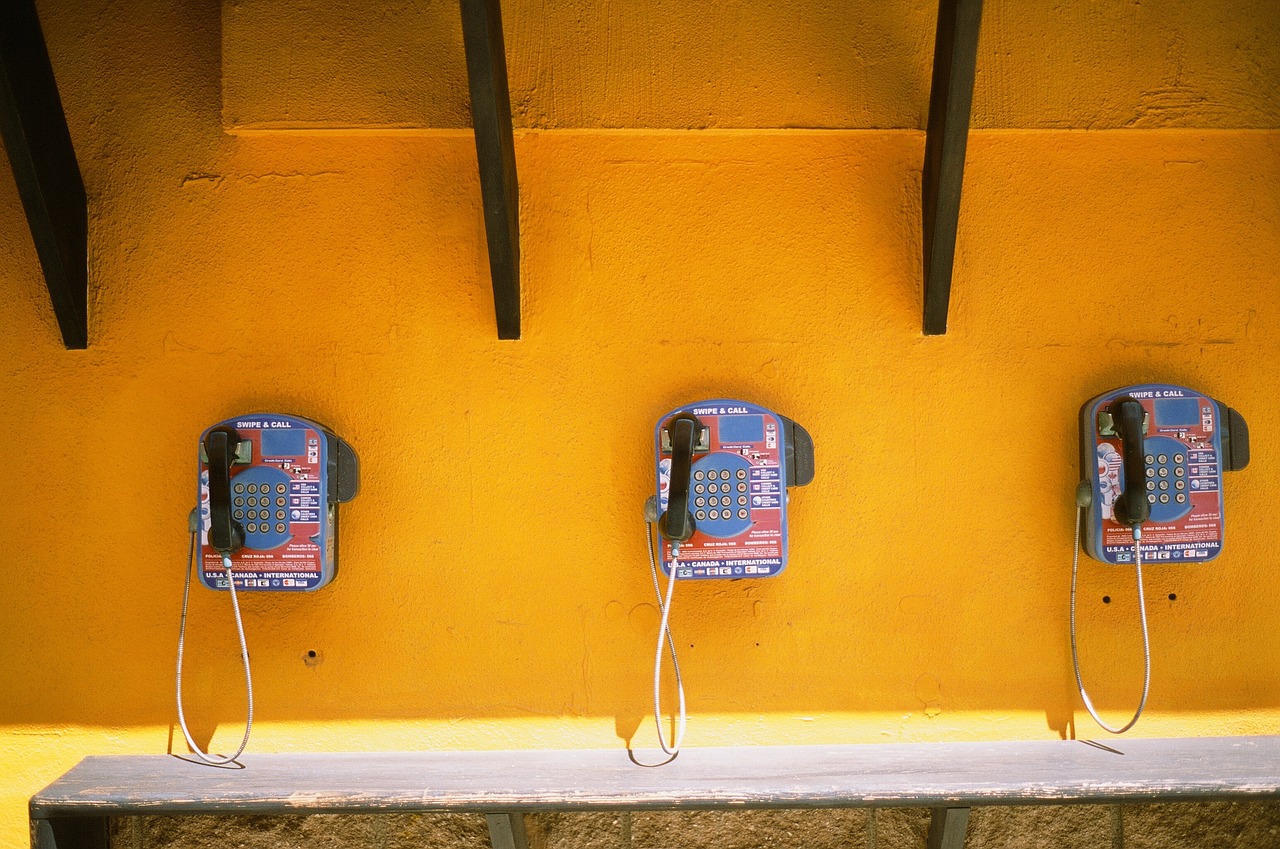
(1235, 439)
(799, 451)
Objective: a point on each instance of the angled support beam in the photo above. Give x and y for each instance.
(496, 153)
(44, 166)
(947, 827)
(87, 832)
(954, 58)
(506, 831)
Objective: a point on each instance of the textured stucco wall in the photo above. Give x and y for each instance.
(818, 63)
(341, 276)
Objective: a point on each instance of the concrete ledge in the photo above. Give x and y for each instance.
(948, 777)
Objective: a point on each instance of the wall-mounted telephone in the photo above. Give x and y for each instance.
(722, 472)
(722, 475)
(266, 519)
(1151, 459)
(270, 486)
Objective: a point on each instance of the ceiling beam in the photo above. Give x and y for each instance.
(44, 165)
(496, 155)
(955, 56)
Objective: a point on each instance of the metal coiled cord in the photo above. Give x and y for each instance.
(1146, 638)
(244, 653)
(664, 633)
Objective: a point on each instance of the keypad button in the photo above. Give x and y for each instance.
(280, 501)
(742, 514)
(1164, 473)
(1151, 485)
(713, 487)
(700, 515)
(699, 488)
(280, 527)
(279, 514)
(282, 488)
(742, 500)
(742, 487)
(1179, 471)
(1179, 485)
(239, 487)
(1152, 498)
(724, 474)
(1178, 458)
(1150, 459)
(239, 500)
(742, 474)
(726, 514)
(1164, 498)
(1181, 498)
(253, 527)
(700, 501)
(239, 514)
(698, 475)
(1162, 459)
(1164, 485)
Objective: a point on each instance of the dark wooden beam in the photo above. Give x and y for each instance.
(496, 154)
(44, 166)
(955, 55)
(947, 827)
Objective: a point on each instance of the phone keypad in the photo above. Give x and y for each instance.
(259, 499)
(720, 483)
(1166, 479)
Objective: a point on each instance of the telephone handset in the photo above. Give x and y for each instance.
(266, 519)
(1151, 458)
(270, 486)
(720, 509)
(723, 468)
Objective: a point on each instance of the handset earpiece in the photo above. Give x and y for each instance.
(1131, 506)
(677, 523)
(225, 533)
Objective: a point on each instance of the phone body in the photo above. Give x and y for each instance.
(731, 475)
(269, 489)
(1175, 456)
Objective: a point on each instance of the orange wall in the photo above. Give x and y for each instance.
(341, 276)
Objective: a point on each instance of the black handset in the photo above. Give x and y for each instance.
(1131, 506)
(225, 533)
(676, 522)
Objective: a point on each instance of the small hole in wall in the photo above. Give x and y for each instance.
(1106, 599)
(311, 653)
(1173, 596)
(312, 658)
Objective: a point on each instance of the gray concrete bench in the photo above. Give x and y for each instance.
(74, 811)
